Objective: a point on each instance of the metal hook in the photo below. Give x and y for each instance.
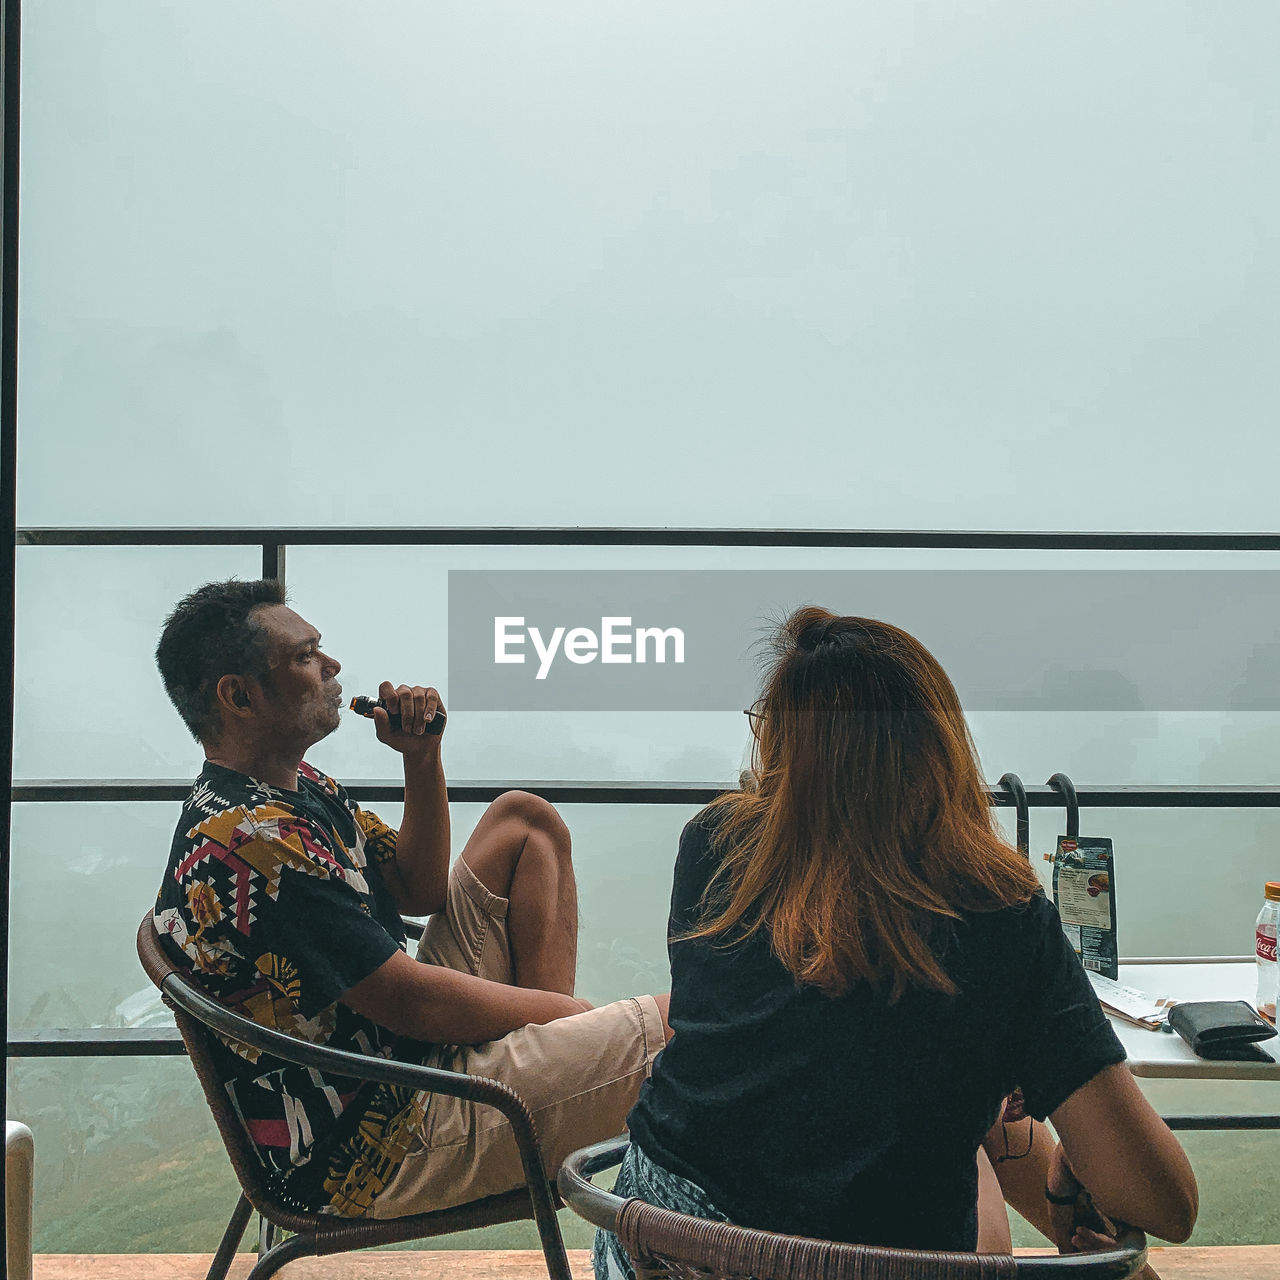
(1013, 785)
(1067, 790)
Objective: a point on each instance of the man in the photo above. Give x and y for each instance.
(284, 897)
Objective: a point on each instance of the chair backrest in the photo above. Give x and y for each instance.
(689, 1248)
(197, 1015)
(200, 1048)
(696, 1249)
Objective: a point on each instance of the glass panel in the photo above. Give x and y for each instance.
(128, 1159)
(94, 869)
(82, 876)
(128, 729)
(392, 623)
(93, 1117)
(1188, 881)
(412, 303)
(88, 698)
(1237, 1172)
(649, 265)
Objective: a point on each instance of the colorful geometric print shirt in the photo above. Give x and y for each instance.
(275, 901)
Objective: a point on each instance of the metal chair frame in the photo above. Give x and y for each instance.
(198, 1017)
(660, 1241)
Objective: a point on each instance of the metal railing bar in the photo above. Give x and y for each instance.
(85, 790)
(976, 539)
(97, 1042)
(1223, 1122)
(1157, 797)
(49, 791)
(10, 146)
(273, 556)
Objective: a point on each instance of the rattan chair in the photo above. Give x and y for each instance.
(661, 1242)
(198, 1017)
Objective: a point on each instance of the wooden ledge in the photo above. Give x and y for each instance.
(1258, 1262)
(366, 1264)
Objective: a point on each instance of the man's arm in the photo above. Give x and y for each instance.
(440, 1005)
(418, 876)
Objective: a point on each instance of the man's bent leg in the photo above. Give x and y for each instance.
(470, 934)
(579, 1077)
(520, 850)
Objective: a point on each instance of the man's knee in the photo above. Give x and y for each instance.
(533, 813)
(503, 839)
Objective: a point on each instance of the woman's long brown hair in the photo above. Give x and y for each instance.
(868, 826)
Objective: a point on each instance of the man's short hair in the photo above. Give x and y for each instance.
(211, 633)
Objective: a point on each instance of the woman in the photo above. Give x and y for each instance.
(863, 971)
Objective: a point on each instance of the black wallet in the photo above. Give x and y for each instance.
(1226, 1030)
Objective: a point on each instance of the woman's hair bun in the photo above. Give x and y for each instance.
(812, 627)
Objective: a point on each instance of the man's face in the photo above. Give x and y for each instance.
(303, 697)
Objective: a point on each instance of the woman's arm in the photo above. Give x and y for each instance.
(1126, 1156)
(1019, 1150)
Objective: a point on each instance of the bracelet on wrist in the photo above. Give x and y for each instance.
(1077, 1186)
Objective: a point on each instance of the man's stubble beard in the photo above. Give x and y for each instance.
(335, 721)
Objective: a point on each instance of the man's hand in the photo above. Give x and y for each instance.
(417, 707)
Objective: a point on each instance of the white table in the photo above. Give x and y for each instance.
(1165, 1055)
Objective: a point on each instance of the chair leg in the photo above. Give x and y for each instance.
(548, 1224)
(540, 1197)
(230, 1240)
(286, 1251)
(266, 1235)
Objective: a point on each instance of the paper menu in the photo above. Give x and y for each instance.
(1131, 1004)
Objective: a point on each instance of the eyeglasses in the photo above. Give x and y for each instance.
(754, 715)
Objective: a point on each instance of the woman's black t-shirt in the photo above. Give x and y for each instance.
(849, 1118)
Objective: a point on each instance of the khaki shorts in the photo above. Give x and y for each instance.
(579, 1076)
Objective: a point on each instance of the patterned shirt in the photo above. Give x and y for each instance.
(275, 902)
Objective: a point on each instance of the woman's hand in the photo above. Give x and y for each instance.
(1078, 1227)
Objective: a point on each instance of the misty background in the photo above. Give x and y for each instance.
(987, 265)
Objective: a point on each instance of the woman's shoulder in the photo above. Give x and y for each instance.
(710, 832)
(1033, 913)
(704, 824)
(699, 857)
(697, 840)
(1019, 928)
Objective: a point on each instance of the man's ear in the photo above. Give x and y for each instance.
(236, 696)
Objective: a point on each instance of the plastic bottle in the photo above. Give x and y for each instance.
(1265, 949)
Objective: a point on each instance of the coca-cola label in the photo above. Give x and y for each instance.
(1265, 945)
